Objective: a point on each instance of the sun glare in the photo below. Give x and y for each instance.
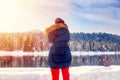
(10, 13)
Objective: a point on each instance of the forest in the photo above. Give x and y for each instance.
(36, 41)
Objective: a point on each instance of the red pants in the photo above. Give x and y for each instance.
(65, 73)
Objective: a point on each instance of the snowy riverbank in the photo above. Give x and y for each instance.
(45, 53)
(77, 73)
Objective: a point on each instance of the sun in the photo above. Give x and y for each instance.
(10, 15)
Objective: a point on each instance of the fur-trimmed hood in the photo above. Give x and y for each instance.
(55, 27)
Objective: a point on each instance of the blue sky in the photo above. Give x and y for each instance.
(96, 16)
(81, 15)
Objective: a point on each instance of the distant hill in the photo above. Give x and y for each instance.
(97, 37)
(94, 42)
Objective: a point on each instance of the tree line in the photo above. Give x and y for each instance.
(36, 41)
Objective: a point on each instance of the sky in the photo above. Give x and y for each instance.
(80, 15)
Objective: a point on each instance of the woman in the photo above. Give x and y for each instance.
(59, 54)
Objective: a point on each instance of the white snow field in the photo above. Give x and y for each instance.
(45, 53)
(76, 73)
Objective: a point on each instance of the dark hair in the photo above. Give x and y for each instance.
(59, 20)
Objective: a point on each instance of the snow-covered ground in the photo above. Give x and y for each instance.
(45, 53)
(76, 73)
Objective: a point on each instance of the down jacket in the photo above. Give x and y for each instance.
(59, 54)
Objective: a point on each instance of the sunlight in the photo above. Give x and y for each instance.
(10, 14)
(27, 15)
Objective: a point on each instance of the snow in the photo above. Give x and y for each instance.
(76, 73)
(90, 53)
(21, 53)
(45, 53)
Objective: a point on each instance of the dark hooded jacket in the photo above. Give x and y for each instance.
(59, 54)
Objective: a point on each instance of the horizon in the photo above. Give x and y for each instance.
(70, 32)
(81, 16)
